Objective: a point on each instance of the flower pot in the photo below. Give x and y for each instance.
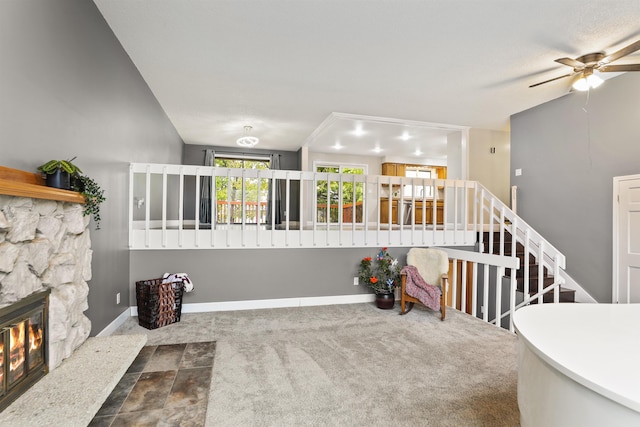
(59, 179)
(385, 301)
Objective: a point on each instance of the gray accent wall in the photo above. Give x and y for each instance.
(67, 88)
(255, 274)
(569, 150)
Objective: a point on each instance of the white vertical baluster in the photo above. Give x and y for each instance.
(327, 238)
(273, 207)
(340, 208)
(463, 292)
(501, 225)
(481, 207)
(512, 297)
(354, 211)
(365, 210)
(540, 261)
(287, 205)
(474, 290)
(476, 229)
(557, 279)
(499, 276)
(455, 212)
(197, 209)
(434, 215)
(164, 206)
(147, 208)
(378, 210)
(527, 256)
(131, 201)
(485, 294)
(227, 231)
(491, 236)
(243, 204)
(181, 208)
(315, 207)
(301, 208)
(454, 285)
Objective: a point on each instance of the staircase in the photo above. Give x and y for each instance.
(566, 295)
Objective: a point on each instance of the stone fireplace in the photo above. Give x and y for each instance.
(45, 247)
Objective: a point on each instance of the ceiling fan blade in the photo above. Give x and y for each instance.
(570, 62)
(619, 54)
(550, 80)
(619, 68)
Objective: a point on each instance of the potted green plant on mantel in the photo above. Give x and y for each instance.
(58, 173)
(382, 274)
(67, 176)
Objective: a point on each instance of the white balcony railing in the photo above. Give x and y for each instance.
(165, 200)
(317, 211)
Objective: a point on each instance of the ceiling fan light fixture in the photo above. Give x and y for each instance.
(247, 140)
(589, 82)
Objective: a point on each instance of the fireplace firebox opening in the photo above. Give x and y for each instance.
(23, 345)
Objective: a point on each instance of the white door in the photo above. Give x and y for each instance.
(626, 240)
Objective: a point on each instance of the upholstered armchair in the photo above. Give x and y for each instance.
(433, 267)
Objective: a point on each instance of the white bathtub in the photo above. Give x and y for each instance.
(579, 365)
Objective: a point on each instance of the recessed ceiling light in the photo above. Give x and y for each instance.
(377, 150)
(358, 131)
(418, 152)
(337, 146)
(405, 136)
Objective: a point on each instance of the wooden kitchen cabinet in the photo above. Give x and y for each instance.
(393, 169)
(384, 211)
(418, 207)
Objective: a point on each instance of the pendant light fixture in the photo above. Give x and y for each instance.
(247, 140)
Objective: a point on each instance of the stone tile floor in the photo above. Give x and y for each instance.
(166, 385)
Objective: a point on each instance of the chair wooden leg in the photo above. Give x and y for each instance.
(408, 305)
(443, 298)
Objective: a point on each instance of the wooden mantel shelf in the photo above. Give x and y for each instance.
(14, 182)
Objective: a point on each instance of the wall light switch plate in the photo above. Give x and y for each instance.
(518, 172)
(355, 281)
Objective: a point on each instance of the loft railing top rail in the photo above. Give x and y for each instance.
(204, 171)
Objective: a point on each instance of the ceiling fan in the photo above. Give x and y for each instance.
(585, 65)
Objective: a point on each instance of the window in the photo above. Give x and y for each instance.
(229, 192)
(334, 199)
(420, 190)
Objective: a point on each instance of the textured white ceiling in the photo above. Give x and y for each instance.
(284, 66)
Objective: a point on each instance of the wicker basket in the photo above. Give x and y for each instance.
(159, 304)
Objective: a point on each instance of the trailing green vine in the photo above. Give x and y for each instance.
(93, 194)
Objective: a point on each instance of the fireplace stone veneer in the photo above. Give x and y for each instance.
(45, 244)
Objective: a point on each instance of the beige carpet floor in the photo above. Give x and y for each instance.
(352, 365)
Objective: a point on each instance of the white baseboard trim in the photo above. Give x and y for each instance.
(205, 307)
(111, 327)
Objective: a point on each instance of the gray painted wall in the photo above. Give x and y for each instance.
(569, 150)
(67, 88)
(254, 274)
